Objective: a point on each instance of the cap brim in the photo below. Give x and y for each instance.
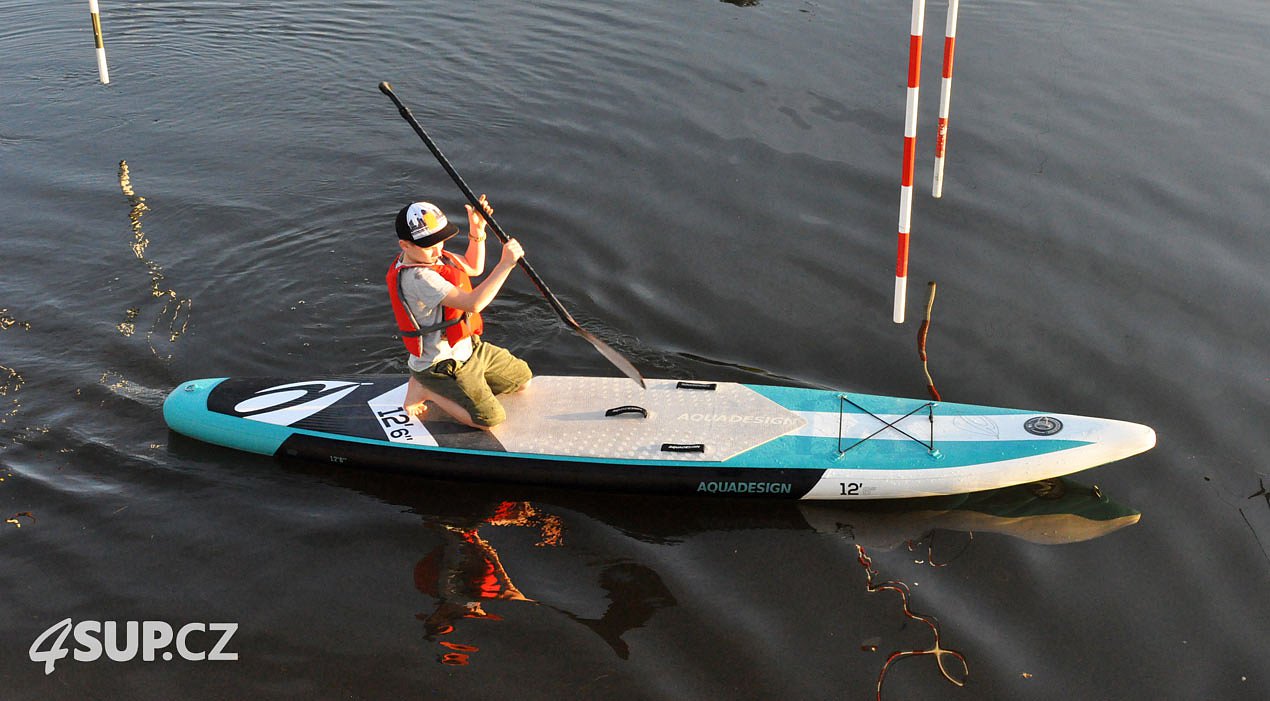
(433, 239)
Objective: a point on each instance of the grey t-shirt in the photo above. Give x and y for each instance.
(422, 291)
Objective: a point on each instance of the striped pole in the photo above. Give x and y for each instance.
(910, 155)
(945, 96)
(101, 48)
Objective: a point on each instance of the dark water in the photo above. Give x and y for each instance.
(711, 188)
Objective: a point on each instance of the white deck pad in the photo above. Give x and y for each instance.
(566, 416)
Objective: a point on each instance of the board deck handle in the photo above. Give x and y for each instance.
(711, 386)
(628, 409)
(683, 447)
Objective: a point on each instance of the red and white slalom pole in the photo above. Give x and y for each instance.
(945, 97)
(102, 71)
(910, 155)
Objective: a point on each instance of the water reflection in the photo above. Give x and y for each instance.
(16, 519)
(1259, 495)
(176, 309)
(465, 572)
(1051, 512)
(11, 382)
(1261, 492)
(10, 379)
(936, 650)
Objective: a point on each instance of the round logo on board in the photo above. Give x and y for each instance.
(1043, 425)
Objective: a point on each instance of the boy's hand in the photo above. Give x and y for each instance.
(512, 252)
(476, 221)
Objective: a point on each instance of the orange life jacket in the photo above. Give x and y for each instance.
(457, 323)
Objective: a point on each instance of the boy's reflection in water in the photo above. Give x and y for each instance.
(465, 571)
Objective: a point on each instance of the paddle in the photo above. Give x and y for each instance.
(613, 356)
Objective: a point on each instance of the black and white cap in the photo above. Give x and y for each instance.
(423, 224)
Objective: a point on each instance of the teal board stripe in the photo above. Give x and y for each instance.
(800, 399)
(821, 453)
(185, 411)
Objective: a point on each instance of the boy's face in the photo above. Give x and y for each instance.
(419, 254)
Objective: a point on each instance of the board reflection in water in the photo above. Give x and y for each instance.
(469, 584)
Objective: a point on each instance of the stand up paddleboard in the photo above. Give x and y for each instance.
(704, 438)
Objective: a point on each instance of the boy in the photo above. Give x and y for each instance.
(438, 314)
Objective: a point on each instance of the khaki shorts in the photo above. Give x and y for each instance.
(473, 384)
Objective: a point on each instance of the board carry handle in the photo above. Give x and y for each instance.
(683, 447)
(628, 409)
(710, 386)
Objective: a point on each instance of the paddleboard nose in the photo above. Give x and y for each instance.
(1145, 436)
(1130, 438)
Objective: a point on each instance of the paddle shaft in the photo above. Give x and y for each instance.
(471, 197)
(613, 356)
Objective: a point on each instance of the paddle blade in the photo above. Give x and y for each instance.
(613, 356)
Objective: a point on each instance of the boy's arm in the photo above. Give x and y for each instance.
(480, 296)
(474, 260)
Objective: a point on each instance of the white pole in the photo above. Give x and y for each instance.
(945, 97)
(910, 155)
(101, 48)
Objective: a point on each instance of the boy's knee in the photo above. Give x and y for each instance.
(519, 376)
(489, 414)
(510, 378)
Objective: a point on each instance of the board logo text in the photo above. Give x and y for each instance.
(746, 487)
(738, 419)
